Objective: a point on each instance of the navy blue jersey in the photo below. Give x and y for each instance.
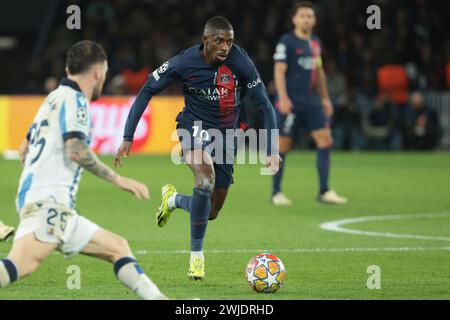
(303, 58)
(212, 94)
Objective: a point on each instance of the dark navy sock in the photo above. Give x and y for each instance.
(183, 201)
(11, 270)
(276, 179)
(323, 168)
(200, 210)
(121, 262)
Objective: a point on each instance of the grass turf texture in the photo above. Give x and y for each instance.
(376, 184)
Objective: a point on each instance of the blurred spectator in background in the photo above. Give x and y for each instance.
(346, 127)
(410, 52)
(423, 128)
(336, 82)
(379, 126)
(448, 74)
(347, 133)
(50, 84)
(447, 67)
(393, 84)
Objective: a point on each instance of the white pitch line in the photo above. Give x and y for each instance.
(336, 226)
(298, 250)
(291, 250)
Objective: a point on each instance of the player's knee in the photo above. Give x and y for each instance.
(119, 248)
(285, 144)
(205, 181)
(325, 142)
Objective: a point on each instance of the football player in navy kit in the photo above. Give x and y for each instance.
(302, 99)
(213, 76)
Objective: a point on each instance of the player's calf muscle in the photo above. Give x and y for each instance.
(324, 142)
(107, 246)
(28, 253)
(121, 248)
(322, 138)
(217, 200)
(214, 214)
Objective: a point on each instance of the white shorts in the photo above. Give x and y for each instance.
(53, 223)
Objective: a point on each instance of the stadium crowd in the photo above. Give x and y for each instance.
(375, 77)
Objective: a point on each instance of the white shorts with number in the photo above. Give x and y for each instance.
(53, 223)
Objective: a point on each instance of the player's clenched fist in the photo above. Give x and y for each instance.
(139, 190)
(273, 163)
(124, 151)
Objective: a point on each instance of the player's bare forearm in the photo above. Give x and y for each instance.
(79, 152)
(280, 79)
(322, 88)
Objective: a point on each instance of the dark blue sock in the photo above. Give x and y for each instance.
(183, 201)
(200, 210)
(123, 261)
(11, 270)
(276, 180)
(323, 168)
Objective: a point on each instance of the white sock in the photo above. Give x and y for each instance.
(132, 276)
(171, 202)
(198, 254)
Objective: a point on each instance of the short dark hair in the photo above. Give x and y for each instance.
(218, 23)
(82, 55)
(302, 4)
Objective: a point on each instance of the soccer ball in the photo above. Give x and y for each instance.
(265, 273)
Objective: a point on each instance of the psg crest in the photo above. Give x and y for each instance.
(225, 78)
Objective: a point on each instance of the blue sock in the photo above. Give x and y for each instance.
(124, 261)
(323, 168)
(276, 180)
(183, 201)
(200, 210)
(8, 272)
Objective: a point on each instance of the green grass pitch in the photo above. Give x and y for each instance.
(320, 264)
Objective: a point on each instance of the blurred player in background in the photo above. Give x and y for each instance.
(213, 76)
(5, 231)
(55, 152)
(302, 99)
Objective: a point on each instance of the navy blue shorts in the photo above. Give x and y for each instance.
(220, 146)
(308, 118)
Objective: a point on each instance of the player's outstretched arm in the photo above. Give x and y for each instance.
(258, 94)
(262, 101)
(79, 152)
(157, 81)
